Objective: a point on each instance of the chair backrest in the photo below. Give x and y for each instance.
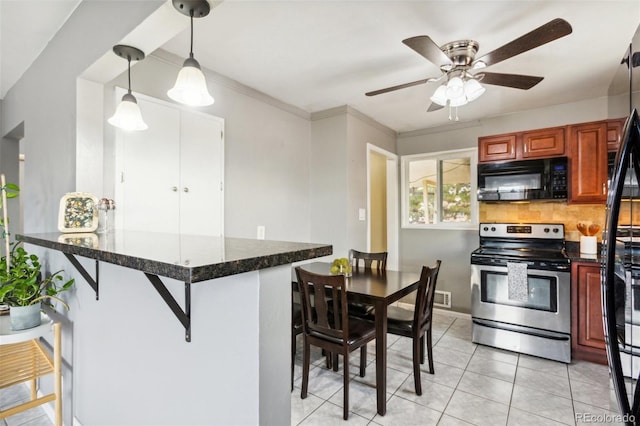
(318, 293)
(424, 299)
(368, 259)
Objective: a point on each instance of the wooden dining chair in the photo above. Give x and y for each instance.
(331, 330)
(296, 325)
(368, 259)
(370, 262)
(417, 323)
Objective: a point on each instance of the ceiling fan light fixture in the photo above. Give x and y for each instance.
(473, 89)
(455, 88)
(128, 116)
(440, 95)
(191, 85)
(459, 101)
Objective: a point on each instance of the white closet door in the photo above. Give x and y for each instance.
(150, 177)
(169, 178)
(201, 160)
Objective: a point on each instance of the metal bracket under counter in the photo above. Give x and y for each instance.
(93, 283)
(183, 316)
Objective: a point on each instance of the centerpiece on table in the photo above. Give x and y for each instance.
(22, 287)
(342, 266)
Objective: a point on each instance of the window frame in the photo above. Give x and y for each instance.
(472, 154)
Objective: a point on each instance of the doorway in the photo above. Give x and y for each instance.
(382, 203)
(12, 166)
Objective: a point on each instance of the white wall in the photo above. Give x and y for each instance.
(360, 131)
(338, 182)
(266, 151)
(44, 99)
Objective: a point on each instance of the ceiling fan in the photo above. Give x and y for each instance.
(457, 61)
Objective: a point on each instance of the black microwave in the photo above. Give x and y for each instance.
(538, 179)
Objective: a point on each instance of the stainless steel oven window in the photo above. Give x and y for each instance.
(542, 291)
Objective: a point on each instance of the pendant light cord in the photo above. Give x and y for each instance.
(129, 72)
(191, 47)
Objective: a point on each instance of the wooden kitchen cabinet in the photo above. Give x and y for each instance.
(497, 148)
(541, 143)
(588, 162)
(614, 131)
(587, 332)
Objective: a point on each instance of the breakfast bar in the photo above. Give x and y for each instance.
(231, 296)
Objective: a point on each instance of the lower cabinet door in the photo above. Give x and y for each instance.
(587, 332)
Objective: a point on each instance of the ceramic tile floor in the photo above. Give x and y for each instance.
(472, 385)
(14, 395)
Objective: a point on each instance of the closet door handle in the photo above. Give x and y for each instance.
(186, 189)
(174, 188)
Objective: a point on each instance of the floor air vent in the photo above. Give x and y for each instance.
(442, 299)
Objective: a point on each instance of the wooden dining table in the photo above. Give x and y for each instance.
(379, 289)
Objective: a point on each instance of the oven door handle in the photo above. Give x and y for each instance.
(524, 330)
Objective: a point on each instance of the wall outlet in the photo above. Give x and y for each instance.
(260, 233)
(362, 214)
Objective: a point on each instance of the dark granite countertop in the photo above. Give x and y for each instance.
(188, 258)
(572, 248)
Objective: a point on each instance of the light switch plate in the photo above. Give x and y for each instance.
(362, 214)
(260, 233)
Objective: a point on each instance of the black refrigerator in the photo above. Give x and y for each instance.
(621, 252)
(621, 277)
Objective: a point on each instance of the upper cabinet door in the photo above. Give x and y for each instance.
(614, 130)
(497, 148)
(543, 143)
(588, 162)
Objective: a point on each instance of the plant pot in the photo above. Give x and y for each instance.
(23, 317)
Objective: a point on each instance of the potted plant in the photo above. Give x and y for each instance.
(22, 286)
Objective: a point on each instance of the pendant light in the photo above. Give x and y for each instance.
(191, 86)
(127, 115)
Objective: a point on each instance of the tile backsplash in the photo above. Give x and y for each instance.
(556, 212)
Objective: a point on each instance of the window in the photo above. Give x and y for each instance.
(439, 190)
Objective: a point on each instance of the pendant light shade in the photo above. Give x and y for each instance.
(191, 86)
(128, 116)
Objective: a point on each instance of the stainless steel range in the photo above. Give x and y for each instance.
(521, 289)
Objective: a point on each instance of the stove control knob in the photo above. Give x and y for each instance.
(486, 228)
(556, 230)
(546, 230)
(493, 229)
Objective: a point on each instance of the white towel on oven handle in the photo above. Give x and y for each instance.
(517, 281)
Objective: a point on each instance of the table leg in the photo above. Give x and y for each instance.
(381, 357)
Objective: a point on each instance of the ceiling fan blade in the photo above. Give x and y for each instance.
(434, 107)
(546, 33)
(516, 81)
(398, 87)
(424, 46)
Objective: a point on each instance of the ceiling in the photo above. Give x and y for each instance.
(317, 55)
(26, 26)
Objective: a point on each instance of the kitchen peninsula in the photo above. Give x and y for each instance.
(234, 367)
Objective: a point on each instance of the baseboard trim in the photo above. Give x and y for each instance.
(456, 314)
